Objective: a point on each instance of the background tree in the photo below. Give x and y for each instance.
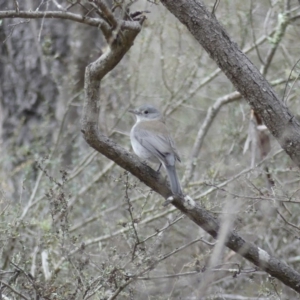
(75, 225)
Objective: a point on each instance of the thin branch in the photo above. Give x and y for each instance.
(253, 33)
(211, 113)
(191, 92)
(109, 236)
(132, 219)
(291, 88)
(16, 4)
(165, 256)
(14, 290)
(58, 5)
(286, 221)
(95, 22)
(110, 18)
(134, 277)
(283, 22)
(232, 271)
(210, 116)
(203, 218)
(236, 176)
(162, 229)
(10, 14)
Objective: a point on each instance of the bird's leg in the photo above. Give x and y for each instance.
(159, 167)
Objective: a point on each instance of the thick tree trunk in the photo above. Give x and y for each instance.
(240, 71)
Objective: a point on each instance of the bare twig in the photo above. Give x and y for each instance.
(134, 277)
(16, 4)
(211, 113)
(14, 290)
(58, 5)
(210, 116)
(133, 221)
(234, 271)
(236, 176)
(53, 14)
(283, 22)
(106, 12)
(286, 221)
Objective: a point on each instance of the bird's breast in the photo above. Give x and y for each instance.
(139, 149)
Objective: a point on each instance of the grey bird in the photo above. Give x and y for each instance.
(151, 141)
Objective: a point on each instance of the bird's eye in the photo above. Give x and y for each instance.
(146, 112)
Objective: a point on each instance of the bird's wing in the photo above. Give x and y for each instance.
(172, 144)
(160, 145)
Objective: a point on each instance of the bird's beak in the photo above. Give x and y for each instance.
(133, 111)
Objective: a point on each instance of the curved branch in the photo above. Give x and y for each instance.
(94, 73)
(282, 24)
(95, 22)
(11, 14)
(197, 214)
(211, 114)
(202, 132)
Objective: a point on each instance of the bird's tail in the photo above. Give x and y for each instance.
(174, 182)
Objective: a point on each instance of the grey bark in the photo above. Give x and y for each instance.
(260, 88)
(241, 72)
(249, 83)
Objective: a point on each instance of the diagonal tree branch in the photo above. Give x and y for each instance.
(241, 72)
(94, 73)
(186, 205)
(244, 76)
(95, 22)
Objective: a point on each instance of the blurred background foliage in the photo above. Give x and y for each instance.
(73, 225)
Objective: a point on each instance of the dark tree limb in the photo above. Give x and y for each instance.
(11, 14)
(245, 77)
(241, 72)
(197, 214)
(94, 73)
(95, 22)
